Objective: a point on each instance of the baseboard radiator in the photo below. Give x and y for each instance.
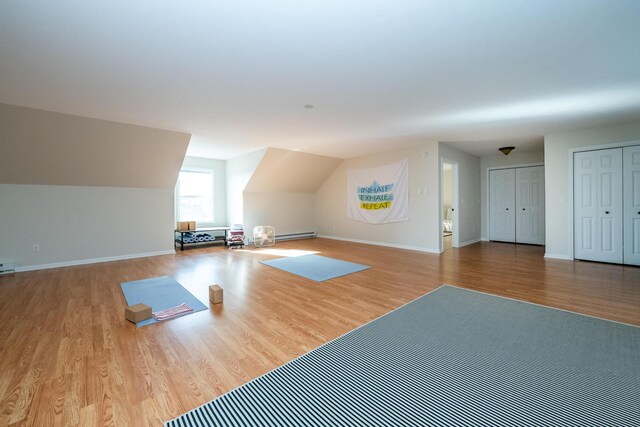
(295, 236)
(284, 237)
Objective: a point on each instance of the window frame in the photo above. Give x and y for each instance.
(177, 194)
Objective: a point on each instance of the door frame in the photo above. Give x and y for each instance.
(570, 201)
(455, 190)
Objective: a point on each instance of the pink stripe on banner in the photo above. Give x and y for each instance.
(171, 312)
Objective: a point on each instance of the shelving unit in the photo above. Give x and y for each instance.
(219, 234)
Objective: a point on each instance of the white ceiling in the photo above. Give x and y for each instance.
(381, 74)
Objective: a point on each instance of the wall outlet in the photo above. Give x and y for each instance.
(36, 248)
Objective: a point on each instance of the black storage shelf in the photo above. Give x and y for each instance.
(214, 231)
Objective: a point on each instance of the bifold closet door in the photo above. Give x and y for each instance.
(631, 191)
(530, 205)
(502, 204)
(597, 195)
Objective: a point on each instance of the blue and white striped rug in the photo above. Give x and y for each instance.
(450, 358)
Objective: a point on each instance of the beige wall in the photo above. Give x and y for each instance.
(558, 152)
(291, 172)
(84, 189)
(421, 232)
(277, 187)
(515, 158)
(45, 148)
(289, 213)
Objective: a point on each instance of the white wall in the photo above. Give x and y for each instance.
(447, 193)
(72, 224)
(220, 185)
(469, 215)
(515, 158)
(557, 156)
(421, 232)
(289, 213)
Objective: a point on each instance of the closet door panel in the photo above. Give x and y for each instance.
(502, 205)
(530, 205)
(631, 194)
(598, 205)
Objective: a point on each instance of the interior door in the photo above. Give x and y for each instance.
(631, 191)
(502, 205)
(530, 205)
(597, 180)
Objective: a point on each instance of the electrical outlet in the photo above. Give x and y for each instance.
(36, 248)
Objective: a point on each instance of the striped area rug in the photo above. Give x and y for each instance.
(451, 358)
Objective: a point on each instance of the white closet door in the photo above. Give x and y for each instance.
(530, 205)
(502, 205)
(597, 180)
(631, 167)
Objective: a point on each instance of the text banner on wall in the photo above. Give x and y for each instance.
(379, 195)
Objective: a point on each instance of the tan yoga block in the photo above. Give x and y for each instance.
(215, 294)
(137, 313)
(192, 225)
(182, 226)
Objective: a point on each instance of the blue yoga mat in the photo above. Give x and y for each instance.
(159, 293)
(315, 267)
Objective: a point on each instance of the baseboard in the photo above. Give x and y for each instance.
(390, 245)
(558, 256)
(92, 261)
(469, 242)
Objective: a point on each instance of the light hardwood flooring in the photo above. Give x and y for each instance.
(68, 357)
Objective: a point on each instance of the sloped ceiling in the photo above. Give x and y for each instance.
(382, 74)
(44, 148)
(291, 171)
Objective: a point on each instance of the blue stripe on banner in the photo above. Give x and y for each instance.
(451, 358)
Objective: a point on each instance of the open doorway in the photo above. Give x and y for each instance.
(449, 206)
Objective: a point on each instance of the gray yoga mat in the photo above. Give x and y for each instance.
(315, 267)
(159, 293)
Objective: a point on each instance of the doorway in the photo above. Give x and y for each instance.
(449, 206)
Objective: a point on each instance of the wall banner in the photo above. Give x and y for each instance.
(379, 195)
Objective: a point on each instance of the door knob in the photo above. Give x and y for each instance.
(507, 208)
(523, 209)
(606, 212)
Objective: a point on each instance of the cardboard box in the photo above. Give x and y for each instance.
(137, 313)
(215, 294)
(192, 225)
(182, 225)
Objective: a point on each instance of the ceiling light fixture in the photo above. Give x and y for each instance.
(506, 150)
(308, 106)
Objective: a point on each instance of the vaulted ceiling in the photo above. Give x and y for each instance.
(379, 74)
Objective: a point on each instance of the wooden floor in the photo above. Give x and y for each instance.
(68, 357)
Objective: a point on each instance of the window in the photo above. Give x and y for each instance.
(194, 195)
